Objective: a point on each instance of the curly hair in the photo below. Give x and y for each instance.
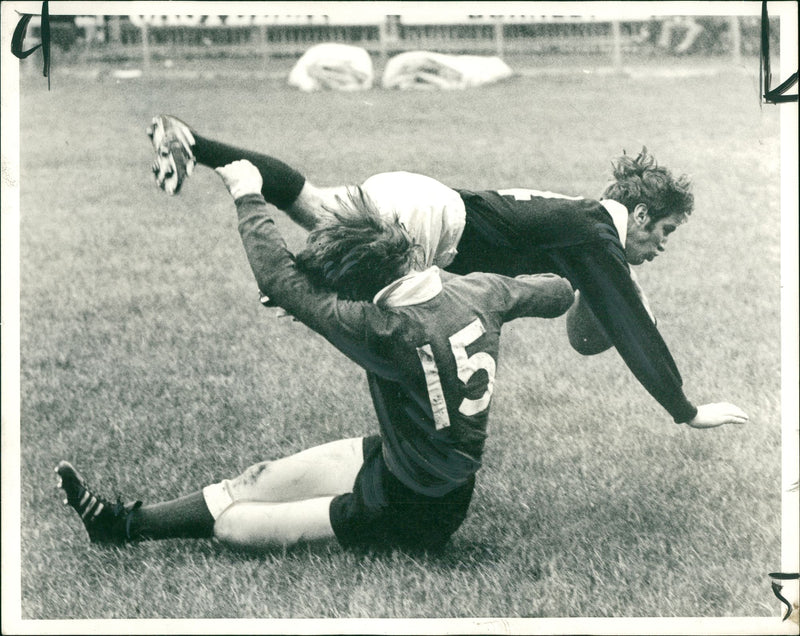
(355, 251)
(642, 180)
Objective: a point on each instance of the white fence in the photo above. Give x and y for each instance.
(610, 39)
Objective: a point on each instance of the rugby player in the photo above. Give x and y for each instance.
(429, 342)
(592, 243)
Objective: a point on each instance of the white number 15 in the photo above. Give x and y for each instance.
(466, 365)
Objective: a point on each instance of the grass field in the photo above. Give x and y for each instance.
(149, 363)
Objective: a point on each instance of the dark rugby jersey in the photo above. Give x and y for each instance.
(430, 365)
(521, 231)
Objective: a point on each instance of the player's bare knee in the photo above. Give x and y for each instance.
(252, 474)
(309, 209)
(225, 529)
(234, 529)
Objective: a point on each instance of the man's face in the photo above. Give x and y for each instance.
(647, 238)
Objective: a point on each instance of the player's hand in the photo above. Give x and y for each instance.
(241, 177)
(711, 415)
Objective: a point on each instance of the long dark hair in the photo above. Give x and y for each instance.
(355, 251)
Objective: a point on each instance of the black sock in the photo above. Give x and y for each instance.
(282, 183)
(185, 517)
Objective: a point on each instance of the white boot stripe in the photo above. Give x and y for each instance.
(89, 508)
(86, 496)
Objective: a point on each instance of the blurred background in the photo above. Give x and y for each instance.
(262, 43)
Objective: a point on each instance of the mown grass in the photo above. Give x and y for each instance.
(147, 360)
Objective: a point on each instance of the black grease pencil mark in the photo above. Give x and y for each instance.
(775, 95)
(18, 39)
(19, 36)
(777, 587)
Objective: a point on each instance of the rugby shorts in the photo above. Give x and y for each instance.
(431, 212)
(382, 512)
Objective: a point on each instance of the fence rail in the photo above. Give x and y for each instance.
(145, 38)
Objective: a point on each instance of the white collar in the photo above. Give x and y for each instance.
(412, 289)
(619, 214)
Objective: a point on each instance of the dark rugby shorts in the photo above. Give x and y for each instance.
(382, 512)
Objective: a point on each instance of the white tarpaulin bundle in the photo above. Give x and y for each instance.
(423, 69)
(333, 66)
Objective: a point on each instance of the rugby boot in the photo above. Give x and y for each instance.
(173, 144)
(105, 522)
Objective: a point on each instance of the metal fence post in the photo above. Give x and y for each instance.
(736, 39)
(263, 41)
(145, 47)
(382, 39)
(616, 35)
(499, 41)
(114, 29)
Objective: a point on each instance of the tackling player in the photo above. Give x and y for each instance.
(513, 231)
(429, 342)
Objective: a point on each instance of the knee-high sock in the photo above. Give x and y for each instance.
(185, 517)
(282, 183)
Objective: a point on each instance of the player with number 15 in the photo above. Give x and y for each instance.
(429, 342)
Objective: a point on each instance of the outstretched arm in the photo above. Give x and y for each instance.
(282, 185)
(272, 264)
(606, 287)
(536, 295)
(341, 322)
